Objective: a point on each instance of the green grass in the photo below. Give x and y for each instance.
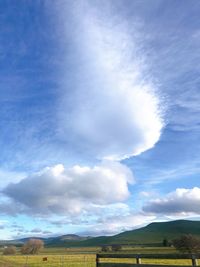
(79, 260)
(85, 257)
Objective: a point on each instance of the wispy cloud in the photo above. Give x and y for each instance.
(181, 171)
(114, 110)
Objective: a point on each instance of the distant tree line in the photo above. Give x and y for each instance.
(187, 243)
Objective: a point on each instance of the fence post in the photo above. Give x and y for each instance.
(194, 261)
(97, 260)
(138, 259)
(26, 261)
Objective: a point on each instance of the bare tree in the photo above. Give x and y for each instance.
(32, 246)
(187, 244)
(11, 250)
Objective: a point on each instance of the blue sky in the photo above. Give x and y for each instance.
(99, 115)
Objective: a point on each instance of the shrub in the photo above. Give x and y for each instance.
(11, 250)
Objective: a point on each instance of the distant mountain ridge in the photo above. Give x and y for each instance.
(73, 237)
(154, 233)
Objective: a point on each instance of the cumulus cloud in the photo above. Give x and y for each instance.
(114, 109)
(9, 208)
(181, 202)
(70, 191)
(7, 176)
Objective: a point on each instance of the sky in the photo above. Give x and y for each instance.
(99, 115)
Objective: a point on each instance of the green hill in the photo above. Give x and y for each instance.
(153, 233)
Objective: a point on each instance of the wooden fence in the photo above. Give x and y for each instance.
(138, 259)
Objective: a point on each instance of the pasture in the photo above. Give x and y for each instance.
(86, 257)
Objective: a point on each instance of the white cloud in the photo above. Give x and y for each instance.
(180, 202)
(113, 110)
(116, 224)
(146, 194)
(72, 191)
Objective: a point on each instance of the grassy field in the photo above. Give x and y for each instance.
(84, 257)
(79, 260)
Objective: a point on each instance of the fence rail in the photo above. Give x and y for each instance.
(136, 265)
(138, 259)
(148, 256)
